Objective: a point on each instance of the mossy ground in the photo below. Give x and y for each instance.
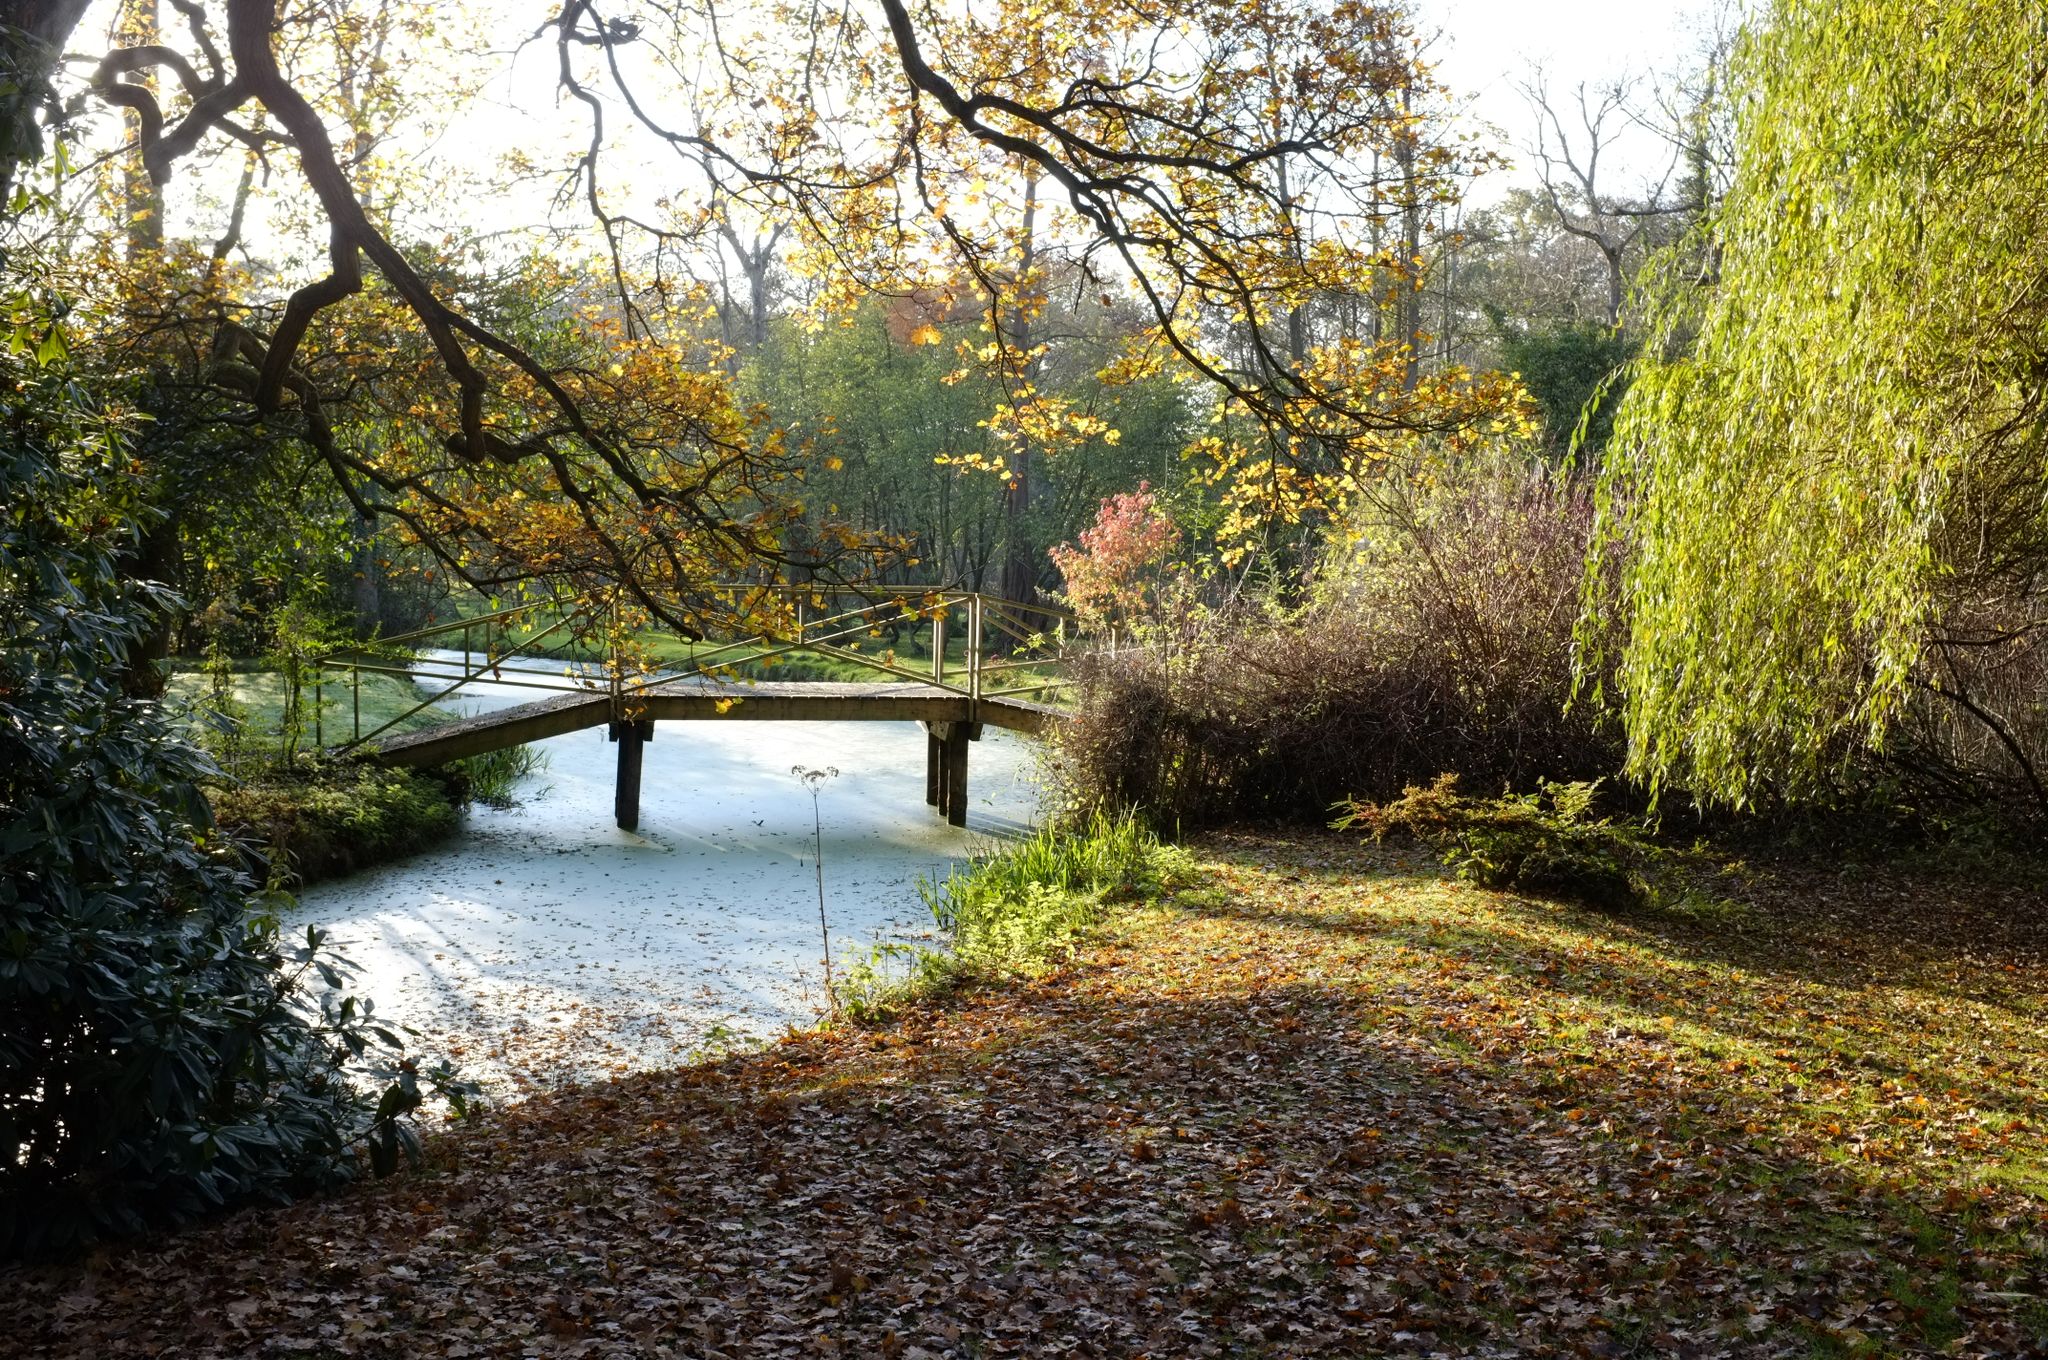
(312, 818)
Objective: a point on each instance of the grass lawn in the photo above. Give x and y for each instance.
(1321, 1102)
(261, 697)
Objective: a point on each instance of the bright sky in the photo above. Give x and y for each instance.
(1486, 48)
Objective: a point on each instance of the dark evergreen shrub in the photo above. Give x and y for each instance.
(161, 1054)
(324, 822)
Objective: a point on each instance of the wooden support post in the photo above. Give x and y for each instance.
(934, 764)
(631, 737)
(954, 784)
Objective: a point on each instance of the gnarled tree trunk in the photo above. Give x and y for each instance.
(32, 36)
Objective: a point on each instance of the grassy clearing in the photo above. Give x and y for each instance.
(259, 698)
(1314, 1100)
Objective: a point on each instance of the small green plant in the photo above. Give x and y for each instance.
(1546, 844)
(223, 720)
(722, 1041)
(300, 634)
(880, 980)
(1017, 910)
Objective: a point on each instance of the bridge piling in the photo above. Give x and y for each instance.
(945, 767)
(631, 737)
(956, 774)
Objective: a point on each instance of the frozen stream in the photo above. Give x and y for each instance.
(542, 943)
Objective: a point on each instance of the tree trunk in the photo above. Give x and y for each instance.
(1297, 316)
(157, 560)
(366, 585)
(366, 580)
(757, 295)
(142, 199)
(1409, 317)
(1616, 282)
(32, 36)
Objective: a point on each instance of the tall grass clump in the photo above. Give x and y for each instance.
(1033, 899)
(1437, 636)
(493, 778)
(1017, 910)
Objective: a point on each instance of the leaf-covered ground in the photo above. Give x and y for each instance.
(1320, 1103)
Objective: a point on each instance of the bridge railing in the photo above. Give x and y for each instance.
(980, 647)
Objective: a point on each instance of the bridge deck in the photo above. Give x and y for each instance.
(697, 700)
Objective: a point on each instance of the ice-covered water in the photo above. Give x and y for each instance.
(543, 943)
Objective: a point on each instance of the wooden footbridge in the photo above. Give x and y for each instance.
(991, 662)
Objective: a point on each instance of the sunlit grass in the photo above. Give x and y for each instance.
(259, 706)
(1018, 908)
(1868, 1040)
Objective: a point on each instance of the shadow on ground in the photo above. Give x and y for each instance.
(1324, 1104)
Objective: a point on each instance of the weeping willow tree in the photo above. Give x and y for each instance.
(1826, 486)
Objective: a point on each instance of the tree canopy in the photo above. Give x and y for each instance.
(1829, 469)
(1211, 169)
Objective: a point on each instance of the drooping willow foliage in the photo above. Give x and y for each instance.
(1828, 472)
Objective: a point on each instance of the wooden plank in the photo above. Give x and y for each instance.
(486, 732)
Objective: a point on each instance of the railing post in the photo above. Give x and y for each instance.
(939, 646)
(319, 696)
(356, 674)
(973, 650)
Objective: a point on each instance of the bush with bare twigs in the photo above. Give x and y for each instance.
(1439, 639)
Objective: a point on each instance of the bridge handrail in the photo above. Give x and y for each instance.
(982, 616)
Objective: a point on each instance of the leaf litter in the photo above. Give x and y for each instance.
(1321, 1102)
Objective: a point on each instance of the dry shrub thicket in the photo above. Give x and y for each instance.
(1440, 640)
(1977, 729)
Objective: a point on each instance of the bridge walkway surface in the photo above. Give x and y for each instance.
(952, 713)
